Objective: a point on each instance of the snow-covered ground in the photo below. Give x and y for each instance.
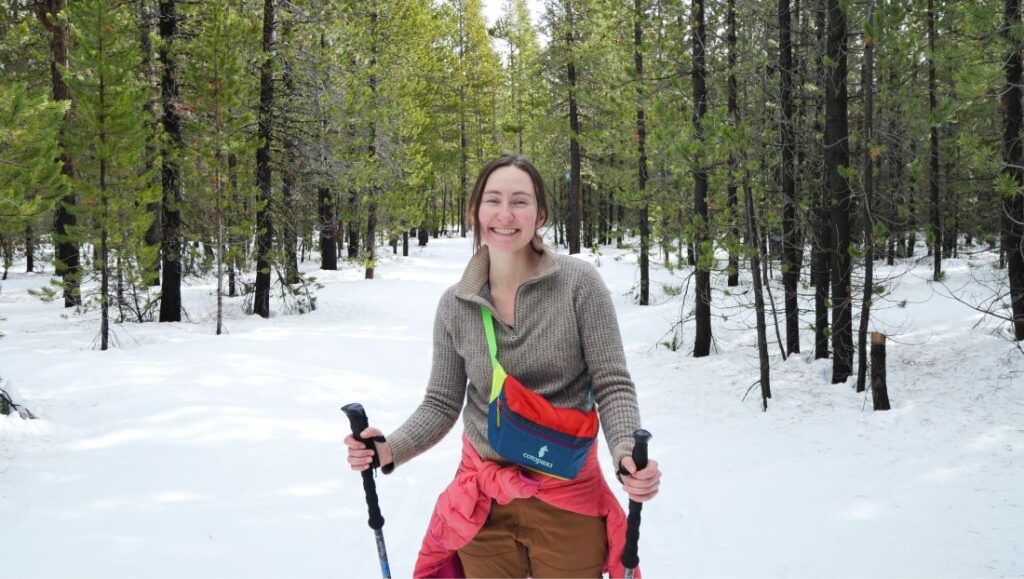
(185, 454)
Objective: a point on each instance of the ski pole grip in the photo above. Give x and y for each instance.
(357, 418)
(640, 439)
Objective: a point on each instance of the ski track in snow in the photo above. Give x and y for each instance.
(184, 454)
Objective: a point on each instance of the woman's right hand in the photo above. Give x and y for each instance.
(360, 457)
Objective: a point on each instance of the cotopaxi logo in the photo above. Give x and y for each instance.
(537, 460)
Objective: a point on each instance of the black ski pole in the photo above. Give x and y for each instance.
(630, 558)
(357, 418)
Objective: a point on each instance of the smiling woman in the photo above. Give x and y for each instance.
(527, 349)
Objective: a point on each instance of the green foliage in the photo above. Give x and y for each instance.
(30, 168)
(221, 200)
(107, 138)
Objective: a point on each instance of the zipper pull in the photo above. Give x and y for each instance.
(498, 416)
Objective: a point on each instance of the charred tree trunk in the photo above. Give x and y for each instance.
(702, 340)
(30, 249)
(170, 173)
(264, 172)
(734, 116)
(837, 158)
(353, 225)
(791, 244)
(1013, 160)
(328, 229)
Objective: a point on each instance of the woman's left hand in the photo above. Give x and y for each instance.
(641, 485)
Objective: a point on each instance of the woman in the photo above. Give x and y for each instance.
(549, 320)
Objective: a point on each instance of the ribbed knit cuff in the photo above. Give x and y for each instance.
(403, 449)
(619, 452)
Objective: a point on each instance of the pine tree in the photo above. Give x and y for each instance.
(108, 138)
(837, 157)
(66, 258)
(1013, 161)
(704, 255)
(219, 130)
(31, 181)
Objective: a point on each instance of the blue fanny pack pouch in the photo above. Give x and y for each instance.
(527, 430)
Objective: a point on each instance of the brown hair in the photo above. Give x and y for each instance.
(507, 160)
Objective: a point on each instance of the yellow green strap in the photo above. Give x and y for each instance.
(498, 373)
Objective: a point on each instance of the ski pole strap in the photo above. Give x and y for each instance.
(498, 373)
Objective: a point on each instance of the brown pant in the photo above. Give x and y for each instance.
(530, 538)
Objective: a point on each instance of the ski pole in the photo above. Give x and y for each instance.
(357, 418)
(630, 559)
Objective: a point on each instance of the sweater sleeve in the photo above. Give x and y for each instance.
(614, 390)
(446, 392)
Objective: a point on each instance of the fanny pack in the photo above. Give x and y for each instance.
(524, 428)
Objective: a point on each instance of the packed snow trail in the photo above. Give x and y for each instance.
(184, 454)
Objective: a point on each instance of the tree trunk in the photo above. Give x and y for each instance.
(702, 340)
(755, 269)
(371, 219)
(233, 240)
(30, 249)
(170, 173)
(869, 191)
(353, 224)
(151, 271)
(821, 270)
(1013, 161)
(791, 243)
(641, 148)
(837, 158)
(264, 174)
(328, 230)
(104, 236)
(572, 226)
(933, 174)
(291, 160)
(66, 258)
(734, 116)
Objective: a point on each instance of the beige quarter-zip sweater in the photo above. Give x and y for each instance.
(565, 336)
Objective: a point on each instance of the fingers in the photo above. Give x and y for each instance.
(359, 455)
(641, 485)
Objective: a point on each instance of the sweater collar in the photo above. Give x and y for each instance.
(476, 275)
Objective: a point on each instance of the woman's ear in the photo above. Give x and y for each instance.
(542, 218)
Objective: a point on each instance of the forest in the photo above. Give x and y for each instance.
(222, 220)
(147, 143)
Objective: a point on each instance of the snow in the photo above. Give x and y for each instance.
(185, 454)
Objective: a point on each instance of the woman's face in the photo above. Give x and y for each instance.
(509, 215)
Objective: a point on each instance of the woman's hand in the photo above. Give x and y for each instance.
(360, 457)
(641, 485)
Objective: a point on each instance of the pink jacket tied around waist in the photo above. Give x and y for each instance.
(462, 508)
